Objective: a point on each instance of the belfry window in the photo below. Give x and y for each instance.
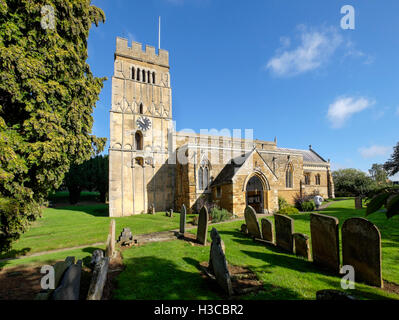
(148, 76)
(138, 137)
(143, 75)
(153, 77)
(141, 111)
(289, 177)
(133, 73)
(138, 74)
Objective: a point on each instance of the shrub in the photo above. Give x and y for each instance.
(308, 206)
(288, 210)
(282, 203)
(218, 215)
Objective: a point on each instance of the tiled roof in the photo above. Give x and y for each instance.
(308, 155)
(230, 169)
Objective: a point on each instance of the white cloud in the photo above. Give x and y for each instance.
(374, 151)
(314, 50)
(344, 107)
(352, 51)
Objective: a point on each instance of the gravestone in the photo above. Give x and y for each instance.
(244, 229)
(96, 257)
(284, 227)
(218, 263)
(98, 279)
(325, 241)
(252, 222)
(267, 230)
(361, 248)
(183, 213)
(301, 244)
(70, 284)
(202, 230)
(125, 237)
(171, 213)
(358, 203)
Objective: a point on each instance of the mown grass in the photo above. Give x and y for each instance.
(170, 270)
(79, 225)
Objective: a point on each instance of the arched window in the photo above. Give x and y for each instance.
(201, 178)
(153, 77)
(133, 73)
(288, 177)
(307, 178)
(149, 77)
(141, 108)
(138, 74)
(317, 179)
(143, 75)
(139, 161)
(138, 137)
(203, 175)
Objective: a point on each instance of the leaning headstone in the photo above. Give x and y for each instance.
(108, 249)
(202, 230)
(171, 213)
(361, 249)
(325, 241)
(70, 284)
(284, 227)
(358, 203)
(267, 230)
(218, 263)
(252, 222)
(183, 213)
(125, 237)
(244, 229)
(334, 295)
(301, 244)
(98, 279)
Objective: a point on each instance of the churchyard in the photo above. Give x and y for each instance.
(173, 269)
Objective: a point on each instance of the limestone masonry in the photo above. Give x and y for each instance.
(153, 166)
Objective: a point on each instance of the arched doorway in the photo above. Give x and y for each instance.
(254, 194)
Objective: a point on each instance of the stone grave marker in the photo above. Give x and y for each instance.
(252, 222)
(325, 241)
(361, 248)
(112, 233)
(202, 230)
(244, 229)
(70, 284)
(284, 227)
(218, 263)
(125, 237)
(301, 244)
(267, 230)
(183, 214)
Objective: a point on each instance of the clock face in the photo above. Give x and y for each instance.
(143, 123)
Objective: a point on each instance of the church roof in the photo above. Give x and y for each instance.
(308, 155)
(230, 169)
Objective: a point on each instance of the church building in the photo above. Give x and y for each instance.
(153, 166)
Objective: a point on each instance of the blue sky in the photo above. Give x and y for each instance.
(283, 68)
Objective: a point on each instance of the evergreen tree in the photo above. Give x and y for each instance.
(392, 165)
(47, 96)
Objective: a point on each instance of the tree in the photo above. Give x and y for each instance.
(378, 173)
(47, 96)
(392, 165)
(351, 182)
(90, 175)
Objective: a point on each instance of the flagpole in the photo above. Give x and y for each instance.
(159, 32)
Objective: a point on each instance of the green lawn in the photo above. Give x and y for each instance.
(79, 225)
(170, 270)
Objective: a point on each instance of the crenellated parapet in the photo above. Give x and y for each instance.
(136, 52)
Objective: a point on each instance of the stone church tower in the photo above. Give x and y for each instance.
(140, 122)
